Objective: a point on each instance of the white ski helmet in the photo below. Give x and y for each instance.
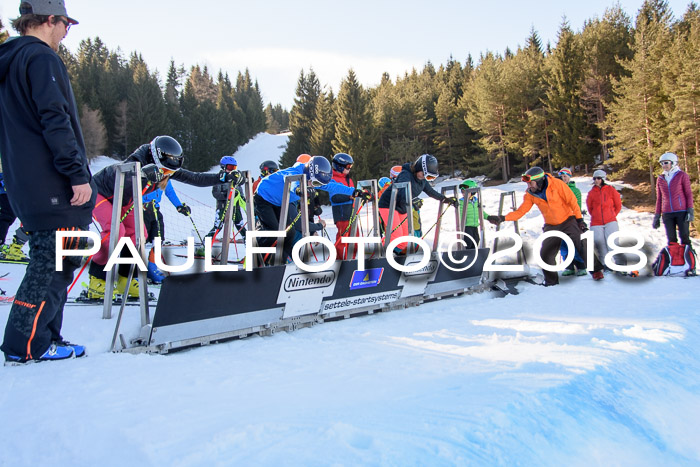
(600, 173)
(669, 156)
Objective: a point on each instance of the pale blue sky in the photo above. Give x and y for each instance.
(276, 39)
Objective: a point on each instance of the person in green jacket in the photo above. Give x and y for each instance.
(577, 266)
(471, 224)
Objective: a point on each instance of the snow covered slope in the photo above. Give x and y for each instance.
(585, 373)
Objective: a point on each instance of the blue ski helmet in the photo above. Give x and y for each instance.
(228, 161)
(318, 169)
(342, 161)
(383, 181)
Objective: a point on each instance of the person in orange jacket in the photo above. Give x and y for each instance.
(560, 210)
(604, 204)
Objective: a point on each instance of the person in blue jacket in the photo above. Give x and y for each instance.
(47, 178)
(153, 218)
(268, 198)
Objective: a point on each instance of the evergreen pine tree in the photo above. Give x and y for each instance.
(606, 42)
(574, 139)
(301, 117)
(323, 125)
(354, 134)
(636, 117)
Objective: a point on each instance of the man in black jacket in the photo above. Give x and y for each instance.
(46, 175)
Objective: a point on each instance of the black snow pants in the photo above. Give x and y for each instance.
(550, 248)
(36, 315)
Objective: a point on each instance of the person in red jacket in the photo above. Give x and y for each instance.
(560, 210)
(674, 199)
(342, 206)
(604, 204)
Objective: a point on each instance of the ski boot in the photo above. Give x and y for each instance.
(133, 287)
(13, 252)
(155, 275)
(581, 272)
(96, 289)
(568, 272)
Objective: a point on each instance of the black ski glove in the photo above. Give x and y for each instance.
(309, 191)
(184, 209)
(690, 215)
(495, 220)
(582, 225)
(152, 173)
(452, 201)
(656, 223)
(417, 203)
(234, 177)
(366, 195)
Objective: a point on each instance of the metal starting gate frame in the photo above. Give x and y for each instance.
(191, 311)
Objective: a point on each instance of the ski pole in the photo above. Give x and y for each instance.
(438, 219)
(196, 229)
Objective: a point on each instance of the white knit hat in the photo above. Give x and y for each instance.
(600, 173)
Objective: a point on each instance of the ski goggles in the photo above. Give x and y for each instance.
(666, 162)
(316, 183)
(173, 162)
(531, 178)
(346, 166)
(230, 167)
(430, 177)
(167, 172)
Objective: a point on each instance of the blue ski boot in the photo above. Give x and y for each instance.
(155, 275)
(55, 351)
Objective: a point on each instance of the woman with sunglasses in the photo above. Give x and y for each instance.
(561, 212)
(161, 160)
(419, 174)
(604, 204)
(674, 200)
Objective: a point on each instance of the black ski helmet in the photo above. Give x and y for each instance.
(318, 169)
(268, 167)
(341, 161)
(428, 165)
(535, 174)
(166, 153)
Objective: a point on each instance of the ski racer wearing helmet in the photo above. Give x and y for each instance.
(418, 174)
(674, 200)
(342, 205)
(226, 195)
(161, 160)
(471, 223)
(385, 182)
(558, 206)
(266, 168)
(268, 198)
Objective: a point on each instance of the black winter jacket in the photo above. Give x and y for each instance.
(43, 153)
(417, 187)
(104, 179)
